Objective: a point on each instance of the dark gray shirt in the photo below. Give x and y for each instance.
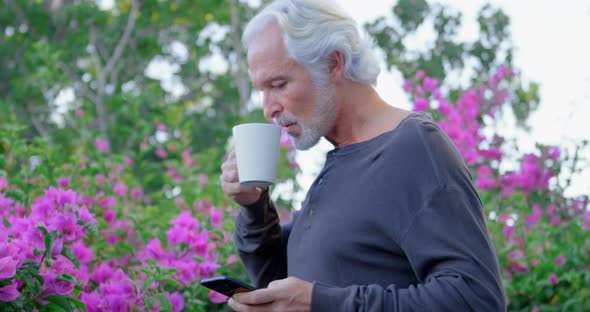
(390, 224)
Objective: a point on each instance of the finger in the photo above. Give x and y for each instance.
(230, 176)
(236, 188)
(229, 164)
(241, 307)
(260, 296)
(231, 154)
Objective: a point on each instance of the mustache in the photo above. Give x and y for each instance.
(284, 120)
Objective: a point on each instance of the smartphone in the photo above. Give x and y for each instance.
(226, 285)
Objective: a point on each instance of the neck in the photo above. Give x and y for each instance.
(361, 114)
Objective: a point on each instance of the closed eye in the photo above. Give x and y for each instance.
(279, 85)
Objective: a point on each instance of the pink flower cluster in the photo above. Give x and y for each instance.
(190, 249)
(532, 175)
(58, 211)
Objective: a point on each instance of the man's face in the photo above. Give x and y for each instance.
(291, 98)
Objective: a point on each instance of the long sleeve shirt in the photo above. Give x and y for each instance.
(390, 224)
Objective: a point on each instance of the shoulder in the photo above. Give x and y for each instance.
(421, 143)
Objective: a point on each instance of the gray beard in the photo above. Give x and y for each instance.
(319, 126)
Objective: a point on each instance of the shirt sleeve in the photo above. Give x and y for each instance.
(451, 254)
(261, 241)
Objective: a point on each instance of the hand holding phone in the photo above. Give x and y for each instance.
(226, 285)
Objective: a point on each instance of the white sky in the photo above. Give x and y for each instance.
(550, 49)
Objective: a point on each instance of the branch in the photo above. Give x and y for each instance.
(241, 78)
(101, 75)
(36, 122)
(124, 39)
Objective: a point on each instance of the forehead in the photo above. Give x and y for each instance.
(267, 55)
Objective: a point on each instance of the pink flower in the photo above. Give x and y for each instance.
(99, 179)
(535, 309)
(186, 221)
(420, 74)
(215, 217)
(430, 84)
(408, 85)
(160, 152)
(285, 138)
(421, 104)
(9, 293)
(7, 267)
(216, 297)
(535, 216)
(491, 154)
(519, 266)
(136, 193)
(551, 209)
(516, 254)
(187, 159)
(554, 153)
(504, 217)
(203, 179)
(82, 251)
(559, 261)
(485, 179)
(109, 216)
(177, 301)
(63, 181)
(120, 189)
(79, 113)
(108, 202)
(154, 250)
(92, 301)
(102, 274)
(231, 261)
(102, 145)
(161, 127)
(67, 226)
(553, 279)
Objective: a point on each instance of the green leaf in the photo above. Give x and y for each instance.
(171, 282)
(60, 302)
(49, 238)
(77, 303)
(66, 278)
(68, 253)
(198, 259)
(90, 227)
(165, 304)
(16, 194)
(6, 223)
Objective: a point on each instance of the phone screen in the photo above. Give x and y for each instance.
(226, 285)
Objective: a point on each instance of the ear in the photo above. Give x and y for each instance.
(336, 68)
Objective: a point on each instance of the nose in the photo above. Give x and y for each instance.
(271, 107)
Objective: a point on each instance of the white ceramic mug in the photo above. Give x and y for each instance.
(257, 148)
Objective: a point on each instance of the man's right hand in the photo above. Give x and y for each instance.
(230, 184)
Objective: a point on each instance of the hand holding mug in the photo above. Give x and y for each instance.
(230, 183)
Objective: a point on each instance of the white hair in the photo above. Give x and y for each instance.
(314, 29)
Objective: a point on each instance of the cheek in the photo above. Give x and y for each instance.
(300, 101)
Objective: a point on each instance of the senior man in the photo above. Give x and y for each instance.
(392, 222)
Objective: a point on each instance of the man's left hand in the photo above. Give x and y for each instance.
(290, 294)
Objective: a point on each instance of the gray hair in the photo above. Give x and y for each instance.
(314, 29)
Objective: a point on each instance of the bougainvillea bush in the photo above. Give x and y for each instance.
(97, 231)
(93, 230)
(542, 237)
